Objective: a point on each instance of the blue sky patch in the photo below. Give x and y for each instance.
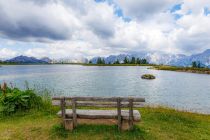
(177, 16)
(176, 8)
(118, 11)
(206, 11)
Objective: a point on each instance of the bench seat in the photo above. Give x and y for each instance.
(102, 114)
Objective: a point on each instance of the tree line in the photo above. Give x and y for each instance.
(126, 60)
(196, 64)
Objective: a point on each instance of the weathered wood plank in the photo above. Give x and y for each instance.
(68, 125)
(119, 114)
(102, 114)
(97, 104)
(104, 99)
(131, 113)
(74, 113)
(63, 109)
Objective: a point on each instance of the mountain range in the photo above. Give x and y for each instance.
(45, 60)
(165, 59)
(27, 60)
(153, 58)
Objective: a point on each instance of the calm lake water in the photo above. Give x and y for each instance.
(186, 91)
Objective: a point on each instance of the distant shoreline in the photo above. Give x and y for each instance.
(153, 66)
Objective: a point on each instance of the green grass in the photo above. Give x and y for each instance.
(157, 124)
(183, 69)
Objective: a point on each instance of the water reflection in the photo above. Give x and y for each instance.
(181, 90)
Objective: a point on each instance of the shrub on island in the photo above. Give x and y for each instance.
(148, 76)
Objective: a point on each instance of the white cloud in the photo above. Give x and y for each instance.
(69, 28)
(143, 9)
(71, 49)
(194, 7)
(27, 21)
(193, 34)
(7, 53)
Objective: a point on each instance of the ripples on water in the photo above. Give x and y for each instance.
(186, 91)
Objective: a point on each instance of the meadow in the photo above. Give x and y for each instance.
(41, 122)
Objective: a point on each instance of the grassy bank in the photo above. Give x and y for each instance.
(157, 124)
(26, 115)
(183, 69)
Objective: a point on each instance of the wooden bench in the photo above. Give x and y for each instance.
(70, 116)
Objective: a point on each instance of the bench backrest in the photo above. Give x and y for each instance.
(98, 101)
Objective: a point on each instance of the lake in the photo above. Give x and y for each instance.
(185, 91)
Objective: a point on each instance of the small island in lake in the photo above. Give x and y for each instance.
(148, 76)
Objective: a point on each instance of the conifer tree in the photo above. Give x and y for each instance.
(102, 61)
(133, 60)
(199, 65)
(126, 61)
(194, 64)
(144, 61)
(138, 61)
(99, 61)
(117, 62)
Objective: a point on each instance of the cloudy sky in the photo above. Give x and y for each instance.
(88, 28)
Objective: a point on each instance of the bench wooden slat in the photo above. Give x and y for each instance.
(98, 104)
(102, 114)
(103, 99)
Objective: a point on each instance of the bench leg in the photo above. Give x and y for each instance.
(126, 125)
(68, 124)
(119, 114)
(130, 123)
(74, 114)
(130, 114)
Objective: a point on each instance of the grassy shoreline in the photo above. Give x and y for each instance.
(24, 114)
(157, 123)
(183, 69)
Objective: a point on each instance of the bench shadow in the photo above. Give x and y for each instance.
(100, 131)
